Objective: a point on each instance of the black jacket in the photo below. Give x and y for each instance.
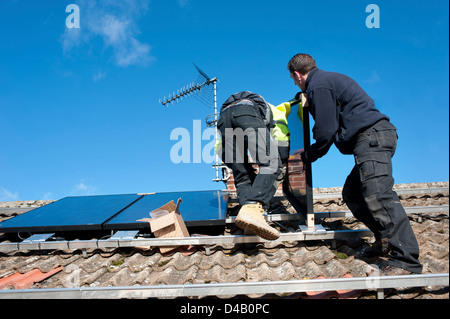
(340, 109)
(257, 100)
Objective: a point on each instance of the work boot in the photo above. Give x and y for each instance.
(251, 216)
(379, 248)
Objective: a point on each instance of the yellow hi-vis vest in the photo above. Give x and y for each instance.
(280, 114)
(280, 130)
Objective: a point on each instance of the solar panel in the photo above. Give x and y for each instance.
(117, 212)
(198, 208)
(70, 213)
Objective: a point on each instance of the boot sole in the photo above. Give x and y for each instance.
(260, 230)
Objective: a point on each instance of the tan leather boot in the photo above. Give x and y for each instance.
(251, 216)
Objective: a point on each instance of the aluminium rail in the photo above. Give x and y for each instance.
(348, 213)
(409, 210)
(180, 241)
(399, 191)
(284, 217)
(304, 235)
(377, 283)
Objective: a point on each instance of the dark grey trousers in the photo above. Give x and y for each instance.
(243, 131)
(368, 194)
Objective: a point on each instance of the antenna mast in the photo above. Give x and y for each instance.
(191, 89)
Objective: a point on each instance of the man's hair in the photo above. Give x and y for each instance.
(302, 63)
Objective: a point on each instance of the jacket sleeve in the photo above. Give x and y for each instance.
(324, 112)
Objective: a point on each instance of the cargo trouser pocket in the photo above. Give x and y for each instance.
(384, 136)
(372, 165)
(374, 172)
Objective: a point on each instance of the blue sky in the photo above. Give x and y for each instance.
(79, 111)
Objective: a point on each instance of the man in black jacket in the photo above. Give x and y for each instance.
(346, 116)
(245, 127)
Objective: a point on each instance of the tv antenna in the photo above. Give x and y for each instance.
(202, 91)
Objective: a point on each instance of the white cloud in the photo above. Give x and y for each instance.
(83, 189)
(115, 22)
(113, 30)
(7, 195)
(136, 53)
(71, 39)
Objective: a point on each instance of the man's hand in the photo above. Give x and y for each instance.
(303, 155)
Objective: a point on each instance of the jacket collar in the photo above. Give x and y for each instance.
(247, 95)
(311, 74)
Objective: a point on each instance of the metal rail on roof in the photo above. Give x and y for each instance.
(399, 191)
(409, 210)
(348, 213)
(181, 241)
(304, 235)
(377, 283)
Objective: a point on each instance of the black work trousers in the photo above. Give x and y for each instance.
(244, 130)
(369, 195)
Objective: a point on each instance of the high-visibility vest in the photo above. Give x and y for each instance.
(280, 130)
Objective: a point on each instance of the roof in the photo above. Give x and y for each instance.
(233, 263)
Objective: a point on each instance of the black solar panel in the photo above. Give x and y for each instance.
(201, 208)
(116, 212)
(70, 213)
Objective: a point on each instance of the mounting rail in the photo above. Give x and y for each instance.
(181, 241)
(225, 289)
(304, 235)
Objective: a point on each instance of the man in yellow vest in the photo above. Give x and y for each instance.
(248, 124)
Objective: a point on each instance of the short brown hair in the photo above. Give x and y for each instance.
(302, 63)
